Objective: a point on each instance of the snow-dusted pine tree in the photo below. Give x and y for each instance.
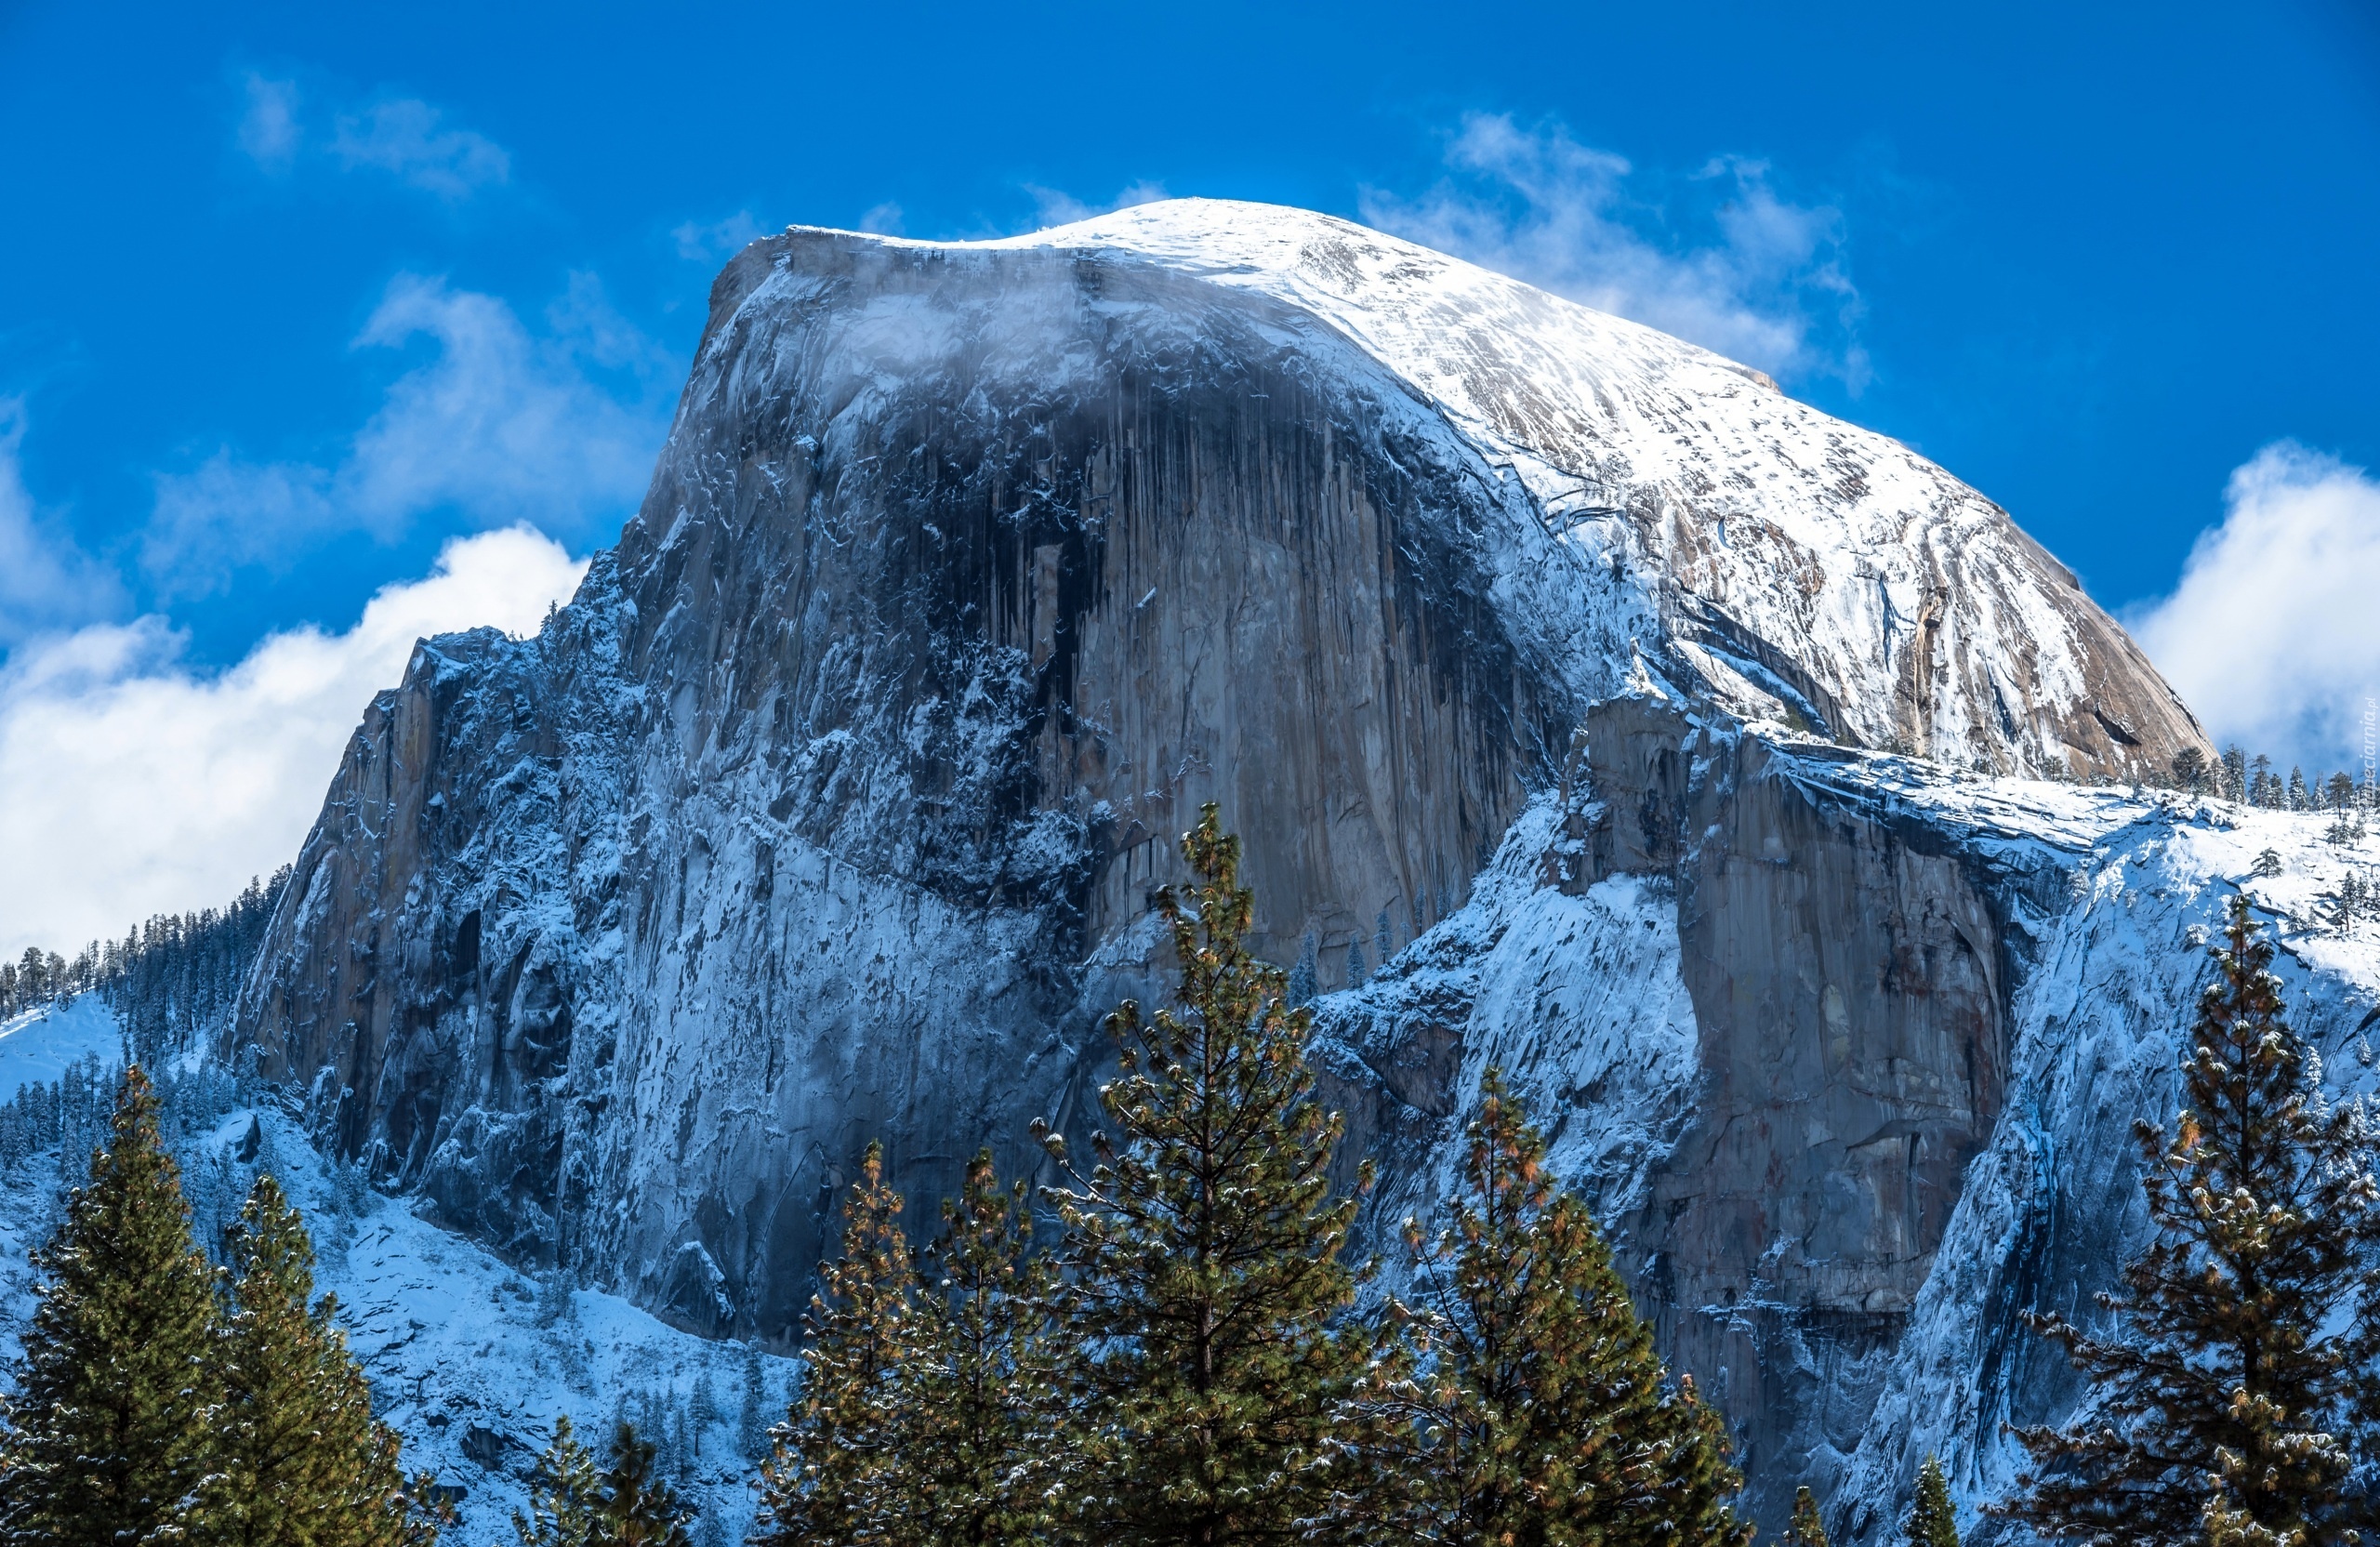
(1807, 1530)
(564, 1493)
(981, 1384)
(110, 1432)
(635, 1507)
(299, 1461)
(833, 1474)
(1202, 1253)
(1532, 1406)
(2242, 1329)
(1932, 1522)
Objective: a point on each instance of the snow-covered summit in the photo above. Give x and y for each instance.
(1805, 570)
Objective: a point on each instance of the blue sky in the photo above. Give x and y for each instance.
(296, 296)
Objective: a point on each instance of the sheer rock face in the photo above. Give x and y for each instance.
(830, 807)
(1779, 1181)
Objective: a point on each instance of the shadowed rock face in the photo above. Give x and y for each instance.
(830, 808)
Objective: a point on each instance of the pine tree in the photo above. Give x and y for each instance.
(1202, 1251)
(1807, 1530)
(1302, 977)
(829, 1478)
(635, 1508)
(2268, 864)
(112, 1429)
(1932, 1522)
(751, 1411)
(979, 1387)
(300, 1459)
(2248, 1315)
(1537, 1410)
(564, 1493)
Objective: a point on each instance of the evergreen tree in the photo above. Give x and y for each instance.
(1932, 1522)
(2268, 864)
(1302, 977)
(2190, 769)
(979, 1387)
(751, 1413)
(564, 1493)
(1202, 1251)
(830, 1476)
(1536, 1411)
(300, 1459)
(635, 1508)
(1807, 1530)
(2248, 1313)
(112, 1429)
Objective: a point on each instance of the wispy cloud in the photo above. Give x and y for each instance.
(1718, 258)
(502, 425)
(269, 133)
(403, 137)
(2270, 636)
(410, 139)
(46, 581)
(882, 219)
(1055, 207)
(698, 243)
(132, 785)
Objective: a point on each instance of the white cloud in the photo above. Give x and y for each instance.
(1766, 287)
(1053, 207)
(407, 138)
(268, 131)
(131, 785)
(2270, 636)
(882, 219)
(501, 426)
(46, 581)
(708, 244)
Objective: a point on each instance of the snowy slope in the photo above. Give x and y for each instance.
(470, 1361)
(37, 1045)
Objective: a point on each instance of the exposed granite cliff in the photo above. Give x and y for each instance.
(829, 807)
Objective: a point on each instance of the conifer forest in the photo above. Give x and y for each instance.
(1172, 1339)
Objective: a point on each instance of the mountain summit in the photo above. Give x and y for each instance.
(1802, 570)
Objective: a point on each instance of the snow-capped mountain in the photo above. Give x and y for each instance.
(1588, 706)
